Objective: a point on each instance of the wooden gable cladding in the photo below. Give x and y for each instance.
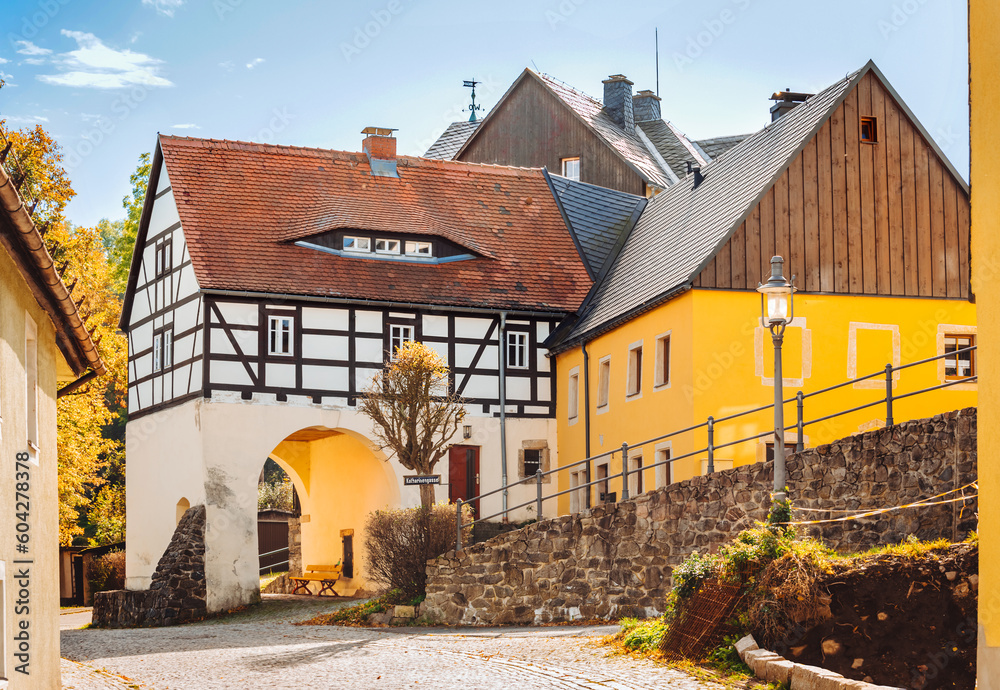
(848, 216)
(535, 129)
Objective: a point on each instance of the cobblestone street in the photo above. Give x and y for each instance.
(261, 649)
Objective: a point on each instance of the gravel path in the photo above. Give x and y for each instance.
(261, 649)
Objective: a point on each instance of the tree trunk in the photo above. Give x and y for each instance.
(426, 495)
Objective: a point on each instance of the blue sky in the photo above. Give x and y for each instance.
(105, 76)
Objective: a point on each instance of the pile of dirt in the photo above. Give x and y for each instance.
(897, 620)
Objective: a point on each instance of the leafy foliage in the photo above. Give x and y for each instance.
(689, 575)
(641, 635)
(121, 243)
(39, 158)
(414, 414)
(399, 542)
(107, 572)
(358, 614)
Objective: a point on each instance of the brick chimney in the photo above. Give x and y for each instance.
(784, 101)
(380, 146)
(646, 106)
(618, 101)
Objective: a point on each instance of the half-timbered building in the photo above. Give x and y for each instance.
(270, 283)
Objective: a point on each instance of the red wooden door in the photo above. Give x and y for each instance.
(463, 474)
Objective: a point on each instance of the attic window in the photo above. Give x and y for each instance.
(383, 246)
(357, 244)
(571, 168)
(419, 248)
(869, 130)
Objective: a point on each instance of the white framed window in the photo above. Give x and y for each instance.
(279, 335)
(419, 248)
(603, 383)
(571, 168)
(963, 364)
(384, 246)
(168, 348)
(517, 349)
(665, 472)
(578, 497)
(636, 485)
(399, 334)
(157, 352)
(357, 244)
(164, 257)
(634, 386)
(661, 370)
(573, 395)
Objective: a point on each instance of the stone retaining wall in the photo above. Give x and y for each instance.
(616, 559)
(177, 590)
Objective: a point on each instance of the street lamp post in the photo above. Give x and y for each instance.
(777, 309)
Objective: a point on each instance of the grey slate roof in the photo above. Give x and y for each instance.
(673, 146)
(716, 146)
(451, 140)
(682, 228)
(599, 218)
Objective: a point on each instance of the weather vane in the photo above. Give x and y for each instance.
(473, 109)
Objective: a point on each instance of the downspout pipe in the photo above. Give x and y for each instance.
(586, 410)
(503, 411)
(70, 387)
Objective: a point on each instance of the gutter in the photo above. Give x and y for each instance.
(586, 411)
(70, 387)
(24, 243)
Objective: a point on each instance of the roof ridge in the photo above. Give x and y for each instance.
(572, 88)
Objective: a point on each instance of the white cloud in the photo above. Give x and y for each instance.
(3, 61)
(95, 65)
(228, 65)
(7, 78)
(33, 61)
(29, 48)
(185, 126)
(253, 63)
(26, 119)
(165, 7)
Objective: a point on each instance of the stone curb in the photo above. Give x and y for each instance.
(771, 667)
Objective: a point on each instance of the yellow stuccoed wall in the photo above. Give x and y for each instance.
(984, 61)
(340, 482)
(17, 302)
(722, 363)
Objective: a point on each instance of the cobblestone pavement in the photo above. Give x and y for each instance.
(261, 649)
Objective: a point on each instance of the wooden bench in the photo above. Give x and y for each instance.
(326, 575)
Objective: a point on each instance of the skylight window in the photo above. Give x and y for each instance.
(357, 244)
(419, 248)
(383, 246)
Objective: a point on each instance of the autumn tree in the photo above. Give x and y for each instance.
(414, 413)
(121, 243)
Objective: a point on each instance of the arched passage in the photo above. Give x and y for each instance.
(182, 507)
(339, 481)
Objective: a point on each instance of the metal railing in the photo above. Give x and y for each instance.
(271, 566)
(709, 425)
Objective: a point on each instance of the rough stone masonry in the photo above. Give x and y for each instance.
(616, 559)
(177, 590)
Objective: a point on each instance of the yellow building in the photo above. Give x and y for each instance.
(43, 343)
(984, 66)
(873, 222)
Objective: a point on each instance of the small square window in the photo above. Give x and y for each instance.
(532, 462)
(571, 168)
(419, 248)
(959, 364)
(397, 336)
(869, 130)
(357, 244)
(517, 349)
(279, 335)
(387, 246)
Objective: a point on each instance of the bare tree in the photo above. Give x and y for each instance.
(414, 413)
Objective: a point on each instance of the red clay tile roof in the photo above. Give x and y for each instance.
(242, 205)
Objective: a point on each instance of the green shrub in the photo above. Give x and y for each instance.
(107, 572)
(689, 575)
(641, 635)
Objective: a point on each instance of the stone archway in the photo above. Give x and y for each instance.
(339, 481)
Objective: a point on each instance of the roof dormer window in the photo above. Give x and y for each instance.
(384, 246)
(357, 244)
(419, 248)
